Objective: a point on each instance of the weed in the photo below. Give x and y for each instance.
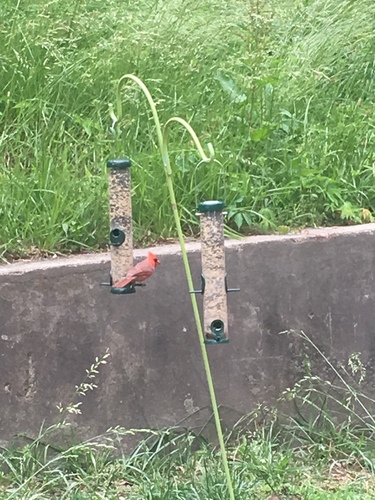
(282, 89)
(306, 453)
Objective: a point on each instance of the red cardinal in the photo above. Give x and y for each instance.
(140, 271)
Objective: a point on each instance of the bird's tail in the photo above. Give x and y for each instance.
(123, 282)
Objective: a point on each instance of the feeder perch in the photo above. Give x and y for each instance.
(120, 214)
(214, 285)
(126, 289)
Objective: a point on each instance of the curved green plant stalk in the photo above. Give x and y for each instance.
(163, 140)
(189, 128)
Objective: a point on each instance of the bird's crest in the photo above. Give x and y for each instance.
(153, 259)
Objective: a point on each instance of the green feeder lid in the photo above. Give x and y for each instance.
(119, 163)
(211, 206)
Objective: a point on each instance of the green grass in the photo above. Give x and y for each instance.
(318, 442)
(283, 89)
(167, 465)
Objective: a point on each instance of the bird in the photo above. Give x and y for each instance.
(140, 272)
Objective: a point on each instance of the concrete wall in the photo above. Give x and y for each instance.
(56, 318)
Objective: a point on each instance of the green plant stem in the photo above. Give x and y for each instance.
(162, 139)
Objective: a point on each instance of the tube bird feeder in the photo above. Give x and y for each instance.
(120, 214)
(213, 276)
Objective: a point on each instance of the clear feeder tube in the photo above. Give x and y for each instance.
(120, 215)
(215, 311)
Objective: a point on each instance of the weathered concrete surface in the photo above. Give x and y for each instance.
(56, 318)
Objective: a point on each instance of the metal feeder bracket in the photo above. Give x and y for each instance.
(229, 290)
(203, 286)
(108, 283)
